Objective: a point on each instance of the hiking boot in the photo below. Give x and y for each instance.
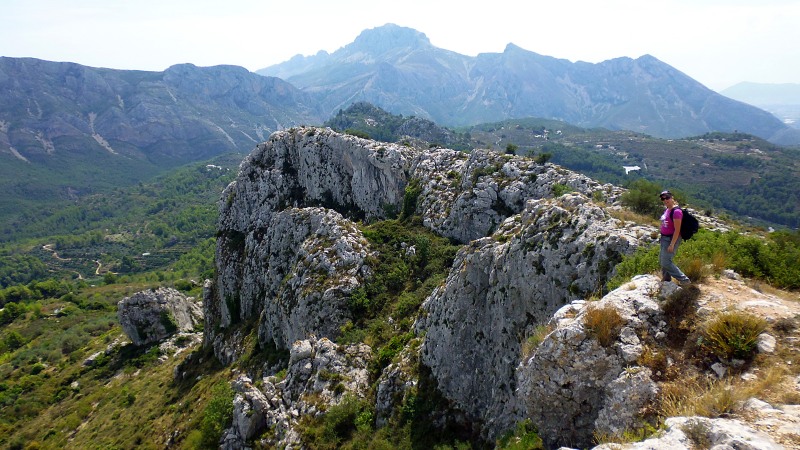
(686, 282)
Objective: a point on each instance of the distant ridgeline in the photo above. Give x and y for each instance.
(733, 173)
(68, 131)
(398, 69)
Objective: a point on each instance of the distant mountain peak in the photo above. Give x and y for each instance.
(398, 69)
(389, 37)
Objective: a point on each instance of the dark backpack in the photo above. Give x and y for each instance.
(689, 224)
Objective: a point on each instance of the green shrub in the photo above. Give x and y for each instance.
(11, 311)
(184, 285)
(523, 437)
(560, 189)
(168, 322)
(643, 261)
(642, 197)
(217, 414)
(775, 259)
(543, 158)
(410, 198)
(357, 133)
(733, 334)
(13, 340)
(337, 425)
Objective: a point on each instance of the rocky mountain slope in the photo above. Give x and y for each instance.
(535, 242)
(68, 131)
(366, 119)
(398, 69)
(335, 333)
(182, 114)
(291, 266)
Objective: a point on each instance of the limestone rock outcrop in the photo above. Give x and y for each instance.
(320, 374)
(150, 316)
(289, 255)
(294, 274)
(501, 287)
(467, 196)
(575, 384)
(287, 251)
(686, 433)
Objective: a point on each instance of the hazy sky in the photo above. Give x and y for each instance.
(717, 42)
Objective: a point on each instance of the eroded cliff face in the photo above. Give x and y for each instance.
(575, 385)
(286, 256)
(501, 287)
(289, 255)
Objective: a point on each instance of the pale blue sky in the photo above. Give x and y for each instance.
(717, 42)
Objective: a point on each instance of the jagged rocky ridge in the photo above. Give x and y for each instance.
(289, 254)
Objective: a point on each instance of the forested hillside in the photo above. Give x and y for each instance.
(731, 174)
(143, 228)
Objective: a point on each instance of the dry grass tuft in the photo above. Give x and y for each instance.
(709, 397)
(696, 270)
(733, 334)
(627, 215)
(699, 397)
(532, 342)
(604, 324)
(719, 261)
(656, 361)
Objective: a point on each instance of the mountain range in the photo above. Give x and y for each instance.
(182, 114)
(399, 70)
(68, 130)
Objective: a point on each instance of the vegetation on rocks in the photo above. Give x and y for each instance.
(604, 324)
(411, 262)
(772, 257)
(733, 335)
(70, 379)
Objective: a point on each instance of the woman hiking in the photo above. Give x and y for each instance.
(671, 239)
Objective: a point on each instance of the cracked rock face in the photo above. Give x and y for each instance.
(288, 254)
(292, 203)
(151, 316)
(501, 287)
(468, 196)
(574, 385)
(294, 275)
